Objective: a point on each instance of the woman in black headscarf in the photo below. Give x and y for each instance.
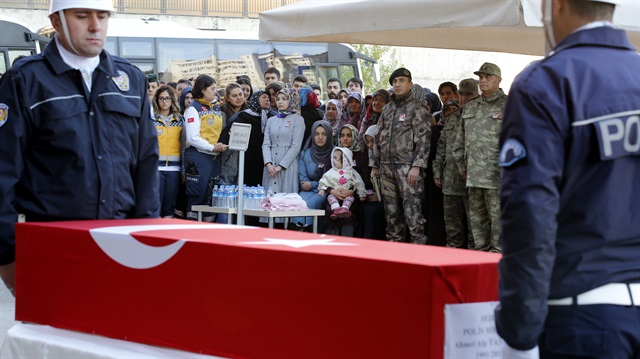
(255, 115)
(315, 160)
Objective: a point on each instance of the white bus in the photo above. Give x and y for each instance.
(174, 52)
(17, 39)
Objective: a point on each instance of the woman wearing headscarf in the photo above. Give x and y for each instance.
(380, 99)
(354, 113)
(348, 136)
(315, 160)
(309, 110)
(342, 97)
(333, 115)
(256, 116)
(281, 146)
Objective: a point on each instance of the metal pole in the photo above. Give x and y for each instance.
(240, 215)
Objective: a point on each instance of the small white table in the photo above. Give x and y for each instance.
(219, 210)
(270, 215)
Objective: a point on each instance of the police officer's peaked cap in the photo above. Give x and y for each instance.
(489, 69)
(468, 85)
(399, 72)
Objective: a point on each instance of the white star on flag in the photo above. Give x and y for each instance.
(300, 243)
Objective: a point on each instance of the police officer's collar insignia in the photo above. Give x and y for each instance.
(4, 114)
(122, 81)
(512, 151)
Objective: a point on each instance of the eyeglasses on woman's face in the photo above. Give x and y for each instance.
(164, 99)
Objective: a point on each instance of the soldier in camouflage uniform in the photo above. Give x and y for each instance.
(400, 157)
(447, 176)
(476, 154)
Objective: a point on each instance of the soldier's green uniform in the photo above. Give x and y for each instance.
(402, 141)
(476, 153)
(456, 198)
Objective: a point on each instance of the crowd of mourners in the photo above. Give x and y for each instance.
(401, 164)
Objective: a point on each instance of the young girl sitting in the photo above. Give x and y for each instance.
(341, 175)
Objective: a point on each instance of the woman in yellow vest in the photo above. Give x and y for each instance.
(204, 123)
(171, 142)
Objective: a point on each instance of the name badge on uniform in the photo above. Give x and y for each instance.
(122, 81)
(401, 119)
(287, 124)
(496, 115)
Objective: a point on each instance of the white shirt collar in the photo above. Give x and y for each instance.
(86, 65)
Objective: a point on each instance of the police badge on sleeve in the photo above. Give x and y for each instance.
(122, 81)
(512, 151)
(4, 113)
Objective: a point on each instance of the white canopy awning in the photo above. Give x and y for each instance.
(511, 26)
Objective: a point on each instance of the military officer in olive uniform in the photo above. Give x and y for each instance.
(476, 154)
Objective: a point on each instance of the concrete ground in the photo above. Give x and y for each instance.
(7, 311)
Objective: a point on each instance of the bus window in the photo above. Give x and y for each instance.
(243, 57)
(110, 46)
(235, 49)
(145, 66)
(14, 54)
(140, 48)
(3, 63)
(184, 59)
(347, 72)
(301, 59)
(325, 72)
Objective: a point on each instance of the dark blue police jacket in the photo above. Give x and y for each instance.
(67, 153)
(570, 154)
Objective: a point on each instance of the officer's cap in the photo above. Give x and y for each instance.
(468, 85)
(152, 78)
(399, 72)
(489, 69)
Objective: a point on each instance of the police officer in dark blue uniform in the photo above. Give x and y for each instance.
(77, 139)
(570, 155)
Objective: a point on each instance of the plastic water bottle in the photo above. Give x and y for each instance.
(270, 192)
(215, 196)
(234, 197)
(224, 197)
(248, 198)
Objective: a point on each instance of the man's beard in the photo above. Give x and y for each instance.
(332, 96)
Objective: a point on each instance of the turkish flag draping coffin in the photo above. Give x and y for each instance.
(244, 292)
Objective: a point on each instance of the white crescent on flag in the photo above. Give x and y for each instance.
(120, 246)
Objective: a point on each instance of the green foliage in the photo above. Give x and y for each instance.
(387, 61)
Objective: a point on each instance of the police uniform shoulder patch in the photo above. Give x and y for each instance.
(512, 151)
(4, 114)
(122, 81)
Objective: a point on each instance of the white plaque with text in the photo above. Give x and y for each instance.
(470, 331)
(239, 139)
